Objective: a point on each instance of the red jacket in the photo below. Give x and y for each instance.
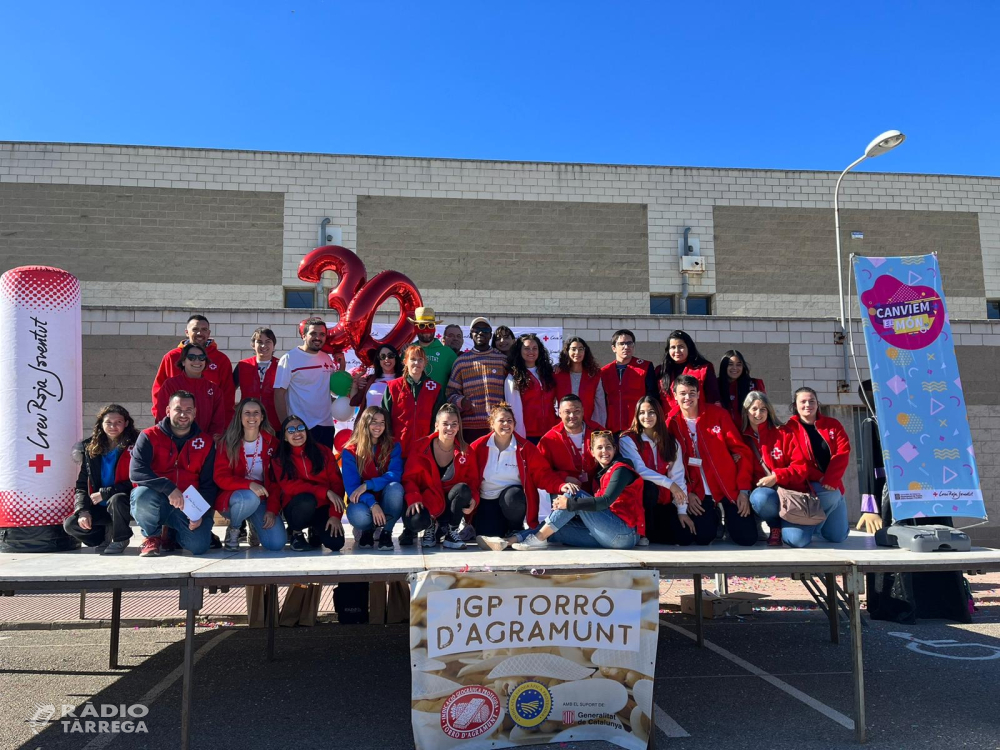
(208, 401)
(708, 386)
(622, 397)
(783, 457)
(422, 480)
(180, 467)
(411, 418)
(731, 400)
(229, 479)
(538, 406)
(588, 389)
(251, 387)
(660, 466)
(718, 441)
(536, 473)
(628, 505)
(219, 370)
(835, 435)
(305, 482)
(557, 448)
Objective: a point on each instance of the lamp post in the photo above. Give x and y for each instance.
(879, 145)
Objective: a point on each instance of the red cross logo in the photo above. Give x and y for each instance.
(39, 463)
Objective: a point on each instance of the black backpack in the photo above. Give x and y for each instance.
(350, 600)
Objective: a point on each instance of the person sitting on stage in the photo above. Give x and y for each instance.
(254, 376)
(530, 388)
(611, 518)
(412, 401)
(565, 446)
(310, 487)
(373, 469)
(243, 474)
(625, 381)
(208, 394)
(735, 383)
(656, 457)
(368, 389)
(167, 459)
(511, 473)
(100, 515)
(441, 482)
(777, 462)
(709, 442)
(681, 357)
(824, 442)
(579, 373)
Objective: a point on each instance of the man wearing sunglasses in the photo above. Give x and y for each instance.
(476, 382)
(440, 358)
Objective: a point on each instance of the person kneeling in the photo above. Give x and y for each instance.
(311, 488)
(168, 458)
(612, 518)
(373, 466)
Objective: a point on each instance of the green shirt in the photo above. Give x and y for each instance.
(440, 359)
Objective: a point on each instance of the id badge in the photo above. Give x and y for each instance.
(694, 461)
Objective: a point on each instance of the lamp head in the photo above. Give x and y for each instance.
(886, 141)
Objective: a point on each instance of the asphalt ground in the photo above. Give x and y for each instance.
(348, 686)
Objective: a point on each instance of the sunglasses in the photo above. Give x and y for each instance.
(386, 356)
(487, 331)
(425, 326)
(197, 357)
(602, 433)
(293, 429)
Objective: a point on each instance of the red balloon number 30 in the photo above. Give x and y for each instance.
(356, 299)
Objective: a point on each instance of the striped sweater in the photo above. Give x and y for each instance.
(479, 378)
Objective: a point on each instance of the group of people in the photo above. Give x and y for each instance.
(497, 444)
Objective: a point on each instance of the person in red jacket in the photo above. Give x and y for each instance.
(100, 515)
(254, 376)
(243, 475)
(219, 369)
(611, 518)
(511, 472)
(566, 446)
(709, 441)
(579, 373)
(310, 488)
(778, 462)
(440, 482)
(735, 383)
(625, 381)
(207, 393)
(824, 442)
(681, 357)
(530, 388)
(413, 400)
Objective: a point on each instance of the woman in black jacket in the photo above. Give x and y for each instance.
(101, 512)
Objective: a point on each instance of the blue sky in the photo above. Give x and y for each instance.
(755, 85)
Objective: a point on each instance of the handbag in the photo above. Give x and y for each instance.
(800, 508)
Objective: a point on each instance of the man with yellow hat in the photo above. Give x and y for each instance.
(440, 358)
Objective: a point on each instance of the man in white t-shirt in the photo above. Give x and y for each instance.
(302, 383)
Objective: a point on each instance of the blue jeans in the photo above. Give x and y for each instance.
(152, 510)
(589, 528)
(834, 529)
(391, 502)
(245, 505)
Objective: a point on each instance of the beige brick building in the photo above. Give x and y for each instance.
(157, 233)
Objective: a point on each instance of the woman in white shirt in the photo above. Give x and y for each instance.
(530, 389)
(656, 457)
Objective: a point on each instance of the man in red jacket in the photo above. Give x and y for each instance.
(625, 381)
(219, 369)
(709, 440)
(567, 445)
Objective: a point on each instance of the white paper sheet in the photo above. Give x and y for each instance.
(195, 506)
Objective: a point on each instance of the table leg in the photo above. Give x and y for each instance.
(191, 600)
(699, 620)
(853, 582)
(831, 607)
(116, 624)
(83, 604)
(272, 618)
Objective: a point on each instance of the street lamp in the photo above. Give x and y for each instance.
(882, 143)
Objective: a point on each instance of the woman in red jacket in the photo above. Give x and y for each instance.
(242, 472)
(709, 442)
(777, 461)
(440, 482)
(824, 442)
(411, 401)
(310, 488)
(254, 376)
(209, 406)
(579, 373)
(530, 389)
(612, 518)
(511, 472)
(681, 357)
(735, 383)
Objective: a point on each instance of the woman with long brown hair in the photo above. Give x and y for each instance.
(372, 466)
(579, 373)
(530, 388)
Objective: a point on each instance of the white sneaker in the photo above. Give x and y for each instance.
(493, 543)
(452, 540)
(429, 537)
(232, 538)
(643, 542)
(530, 542)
